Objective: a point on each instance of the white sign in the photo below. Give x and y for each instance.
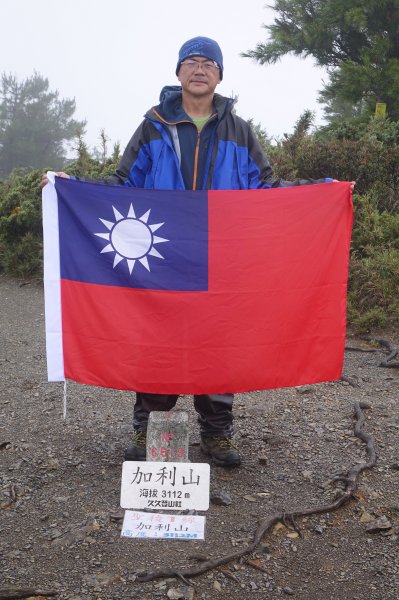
(156, 525)
(165, 485)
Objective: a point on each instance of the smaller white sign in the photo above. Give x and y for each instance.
(138, 524)
(165, 485)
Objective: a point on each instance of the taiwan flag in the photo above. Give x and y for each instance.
(195, 292)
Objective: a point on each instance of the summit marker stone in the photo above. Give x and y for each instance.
(167, 436)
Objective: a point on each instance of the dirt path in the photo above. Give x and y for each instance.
(60, 483)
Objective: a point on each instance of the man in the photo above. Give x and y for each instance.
(192, 140)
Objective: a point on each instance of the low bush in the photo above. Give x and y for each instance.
(373, 299)
(21, 247)
(21, 234)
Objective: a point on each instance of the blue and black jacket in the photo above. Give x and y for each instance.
(168, 152)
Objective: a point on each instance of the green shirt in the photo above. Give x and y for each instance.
(200, 122)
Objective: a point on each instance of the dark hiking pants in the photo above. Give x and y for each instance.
(215, 414)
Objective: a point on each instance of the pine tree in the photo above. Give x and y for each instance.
(357, 40)
(34, 124)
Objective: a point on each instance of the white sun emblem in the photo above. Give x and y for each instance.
(131, 238)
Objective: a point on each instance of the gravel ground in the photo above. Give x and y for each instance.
(60, 518)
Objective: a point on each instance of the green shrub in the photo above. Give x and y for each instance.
(21, 234)
(374, 268)
(370, 163)
(21, 224)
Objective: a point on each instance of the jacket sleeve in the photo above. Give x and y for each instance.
(136, 160)
(260, 173)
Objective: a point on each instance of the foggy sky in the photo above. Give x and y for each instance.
(114, 57)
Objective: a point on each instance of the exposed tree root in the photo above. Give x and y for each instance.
(350, 481)
(13, 593)
(359, 349)
(392, 353)
(349, 380)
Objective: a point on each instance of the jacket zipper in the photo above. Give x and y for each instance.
(196, 153)
(196, 160)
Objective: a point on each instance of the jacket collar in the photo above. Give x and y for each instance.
(170, 108)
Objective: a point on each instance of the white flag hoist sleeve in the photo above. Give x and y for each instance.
(52, 283)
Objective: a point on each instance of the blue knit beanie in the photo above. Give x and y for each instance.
(201, 46)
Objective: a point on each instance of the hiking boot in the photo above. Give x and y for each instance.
(137, 451)
(222, 450)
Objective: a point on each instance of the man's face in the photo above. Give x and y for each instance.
(199, 76)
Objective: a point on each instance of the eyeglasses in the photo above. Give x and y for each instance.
(207, 65)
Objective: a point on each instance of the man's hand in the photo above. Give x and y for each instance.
(353, 183)
(59, 174)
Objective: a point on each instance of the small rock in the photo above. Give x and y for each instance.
(304, 389)
(56, 533)
(273, 440)
(289, 591)
(118, 515)
(174, 594)
(221, 498)
(253, 585)
(278, 527)
(366, 517)
(250, 498)
(380, 524)
(181, 593)
(217, 586)
(364, 405)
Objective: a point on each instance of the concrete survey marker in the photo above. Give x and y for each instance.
(167, 436)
